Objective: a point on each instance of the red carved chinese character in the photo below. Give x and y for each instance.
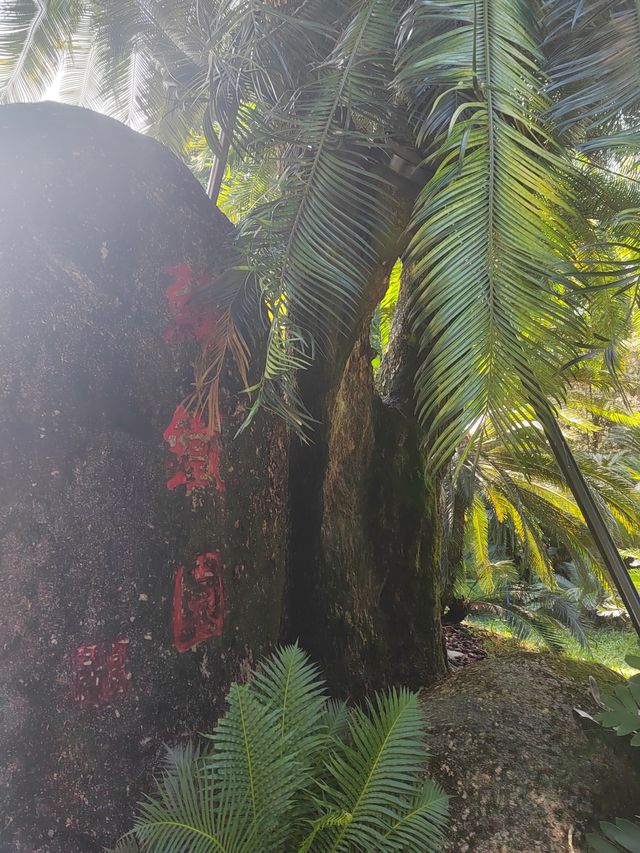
(198, 602)
(100, 672)
(189, 319)
(196, 450)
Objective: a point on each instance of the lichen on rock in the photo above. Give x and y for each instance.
(525, 775)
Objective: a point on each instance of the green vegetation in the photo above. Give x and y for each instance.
(607, 646)
(519, 549)
(475, 163)
(620, 712)
(361, 143)
(347, 134)
(289, 770)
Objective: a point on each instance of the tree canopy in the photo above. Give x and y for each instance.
(508, 117)
(491, 145)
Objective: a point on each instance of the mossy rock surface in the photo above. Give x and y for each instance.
(92, 541)
(525, 773)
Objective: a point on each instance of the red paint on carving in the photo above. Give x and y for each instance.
(100, 673)
(198, 602)
(196, 451)
(189, 319)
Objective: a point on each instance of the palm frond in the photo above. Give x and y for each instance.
(236, 303)
(489, 574)
(156, 73)
(595, 68)
(180, 816)
(492, 224)
(525, 622)
(322, 238)
(80, 75)
(563, 605)
(531, 493)
(247, 186)
(512, 506)
(34, 37)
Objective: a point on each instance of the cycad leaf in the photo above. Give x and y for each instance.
(257, 781)
(623, 835)
(181, 816)
(490, 225)
(373, 778)
(595, 70)
(320, 240)
(127, 844)
(289, 683)
(425, 823)
(476, 535)
(34, 36)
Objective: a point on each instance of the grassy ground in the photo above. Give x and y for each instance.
(607, 646)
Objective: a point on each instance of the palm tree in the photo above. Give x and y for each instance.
(331, 96)
(512, 519)
(524, 553)
(466, 137)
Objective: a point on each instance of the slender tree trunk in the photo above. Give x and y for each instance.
(455, 498)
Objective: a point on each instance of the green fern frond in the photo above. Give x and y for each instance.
(373, 779)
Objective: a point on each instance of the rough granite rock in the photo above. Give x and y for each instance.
(90, 537)
(525, 774)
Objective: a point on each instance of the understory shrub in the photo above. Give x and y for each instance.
(288, 770)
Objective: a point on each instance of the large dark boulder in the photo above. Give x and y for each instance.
(96, 666)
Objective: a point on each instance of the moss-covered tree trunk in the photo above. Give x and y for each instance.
(364, 594)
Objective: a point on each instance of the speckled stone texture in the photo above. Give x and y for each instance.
(525, 774)
(90, 538)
